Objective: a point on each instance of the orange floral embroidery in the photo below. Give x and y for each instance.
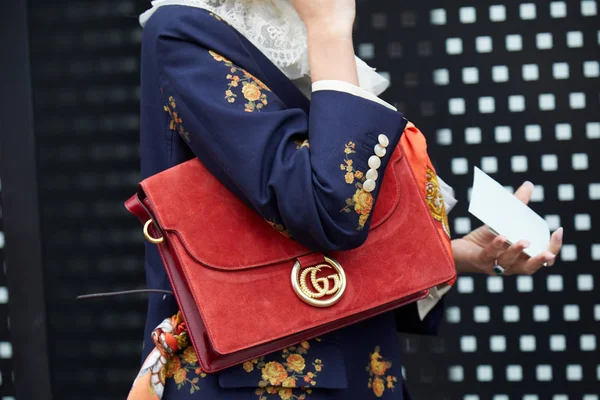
(280, 228)
(279, 378)
(183, 368)
(176, 123)
(361, 201)
(377, 368)
(251, 86)
(435, 200)
(302, 143)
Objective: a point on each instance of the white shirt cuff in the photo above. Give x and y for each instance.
(435, 295)
(347, 87)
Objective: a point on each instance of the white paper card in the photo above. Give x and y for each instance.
(506, 215)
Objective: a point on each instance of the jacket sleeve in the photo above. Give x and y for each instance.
(302, 171)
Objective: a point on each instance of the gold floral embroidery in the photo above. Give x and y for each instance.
(216, 17)
(182, 368)
(302, 143)
(377, 368)
(280, 228)
(176, 123)
(435, 200)
(251, 86)
(279, 378)
(361, 201)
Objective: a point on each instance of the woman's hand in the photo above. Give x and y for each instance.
(477, 251)
(336, 15)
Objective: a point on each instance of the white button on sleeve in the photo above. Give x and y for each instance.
(383, 140)
(379, 150)
(372, 174)
(374, 162)
(369, 185)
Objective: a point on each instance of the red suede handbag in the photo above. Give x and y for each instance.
(227, 266)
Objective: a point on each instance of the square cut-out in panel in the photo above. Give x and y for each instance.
(558, 9)
(560, 70)
(497, 13)
(527, 11)
(467, 15)
(473, 135)
(524, 283)
(481, 314)
(554, 283)
(563, 131)
(588, 8)
(553, 221)
(455, 373)
(366, 51)
(571, 312)
(514, 373)
(537, 194)
(444, 136)
(543, 41)
(592, 130)
(516, 103)
(483, 44)
(487, 105)
(527, 343)
(579, 161)
(460, 166)
(574, 39)
(569, 252)
(500, 397)
(511, 313)
(585, 282)
(577, 100)
(541, 313)
(453, 314)
(587, 342)
(560, 397)
(456, 106)
(595, 252)
(546, 102)
(566, 192)
(530, 72)
(514, 42)
(454, 46)
(543, 373)
(583, 222)
(495, 284)
(485, 373)
(438, 16)
(594, 191)
(518, 163)
(465, 284)
(549, 162)
(379, 20)
(408, 19)
(502, 134)
(497, 343)
(591, 69)
(489, 164)
(500, 73)
(394, 50)
(462, 225)
(470, 75)
(424, 48)
(441, 76)
(468, 344)
(558, 343)
(574, 372)
(533, 133)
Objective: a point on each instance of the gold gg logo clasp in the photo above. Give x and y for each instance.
(311, 288)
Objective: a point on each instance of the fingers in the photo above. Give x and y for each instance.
(491, 251)
(510, 256)
(556, 241)
(524, 192)
(530, 266)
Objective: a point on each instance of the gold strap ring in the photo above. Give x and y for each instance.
(150, 238)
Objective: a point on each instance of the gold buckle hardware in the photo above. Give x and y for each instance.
(311, 289)
(147, 234)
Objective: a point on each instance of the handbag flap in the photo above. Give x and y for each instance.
(216, 218)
